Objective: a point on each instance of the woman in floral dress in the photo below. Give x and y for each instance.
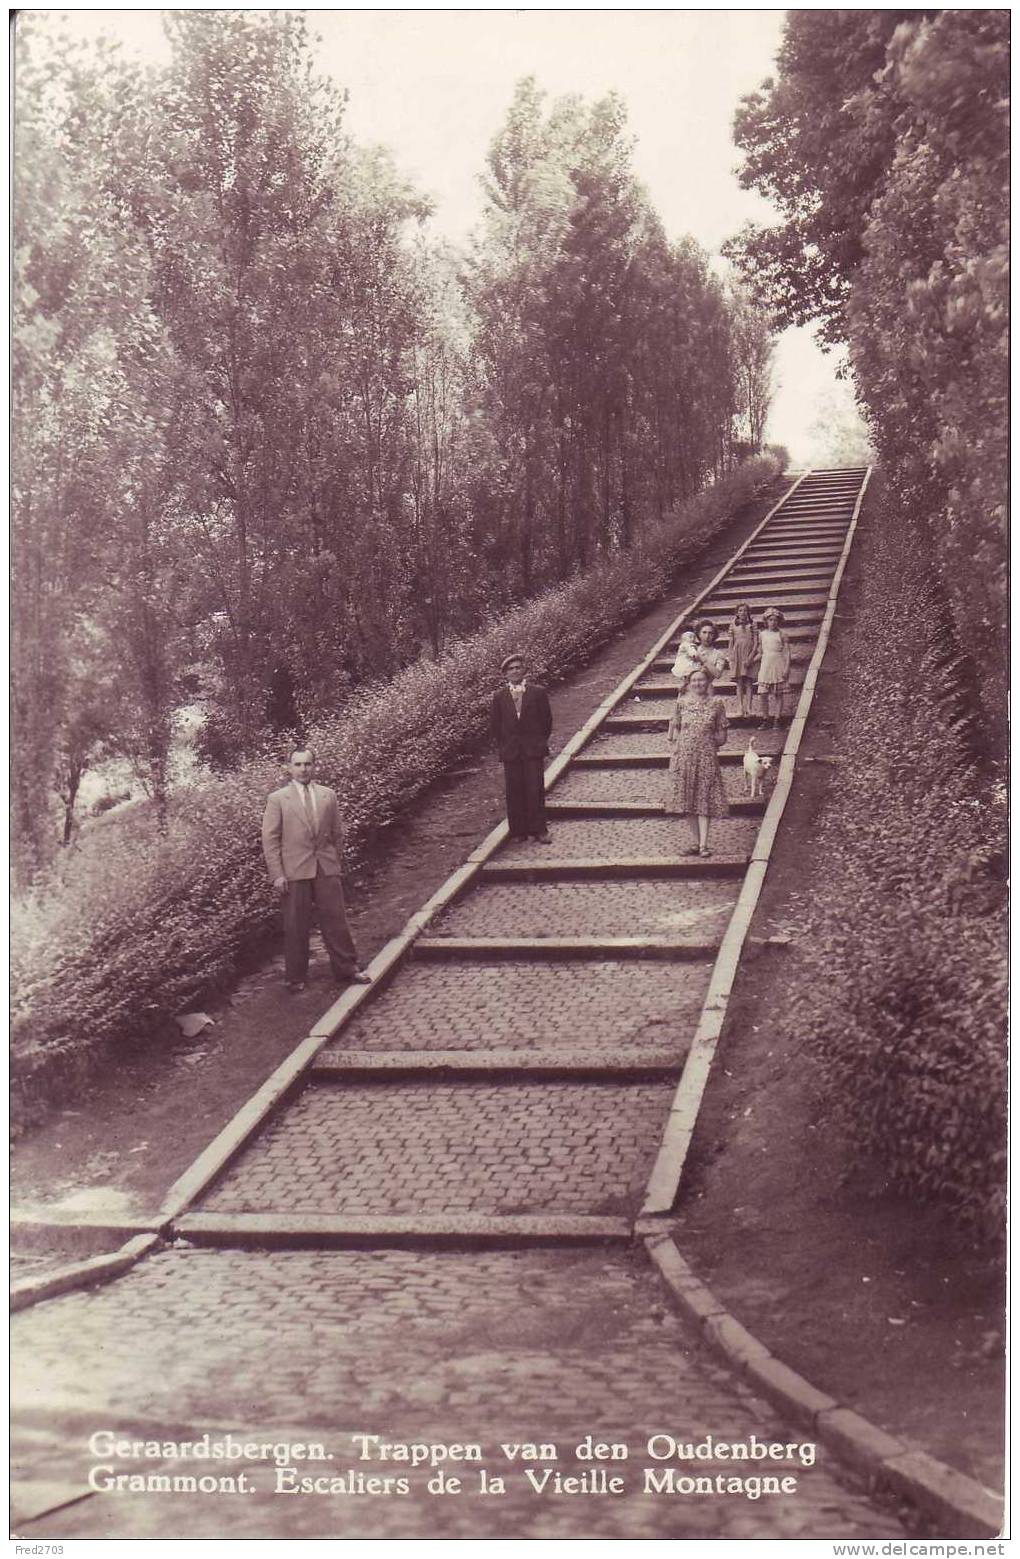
(713, 660)
(697, 729)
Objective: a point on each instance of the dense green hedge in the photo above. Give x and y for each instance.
(137, 926)
(905, 999)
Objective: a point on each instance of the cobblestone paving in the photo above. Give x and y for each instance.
(459, 1006)
(644, 691)
(489, 1347)
(619, 743)
(662, 838)
(645, 785)
(694, 911)
(614, 742)
(431, 1147)
(657, 705)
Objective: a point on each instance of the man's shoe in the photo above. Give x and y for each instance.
(295, 986)
(359, 977)
(545, 838)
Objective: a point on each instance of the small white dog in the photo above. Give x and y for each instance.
(755, 767)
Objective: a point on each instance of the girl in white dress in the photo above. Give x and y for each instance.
(774, 669)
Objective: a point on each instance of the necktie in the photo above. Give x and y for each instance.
(308, 798)
(517, 694)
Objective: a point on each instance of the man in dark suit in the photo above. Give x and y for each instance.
(521, 722)
(302, 840)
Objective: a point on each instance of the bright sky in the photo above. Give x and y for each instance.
(434, 86)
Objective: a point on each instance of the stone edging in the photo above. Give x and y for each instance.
(31, 1290)
(962, 1507)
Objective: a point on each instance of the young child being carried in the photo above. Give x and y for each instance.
(697, 650)
(686, 656)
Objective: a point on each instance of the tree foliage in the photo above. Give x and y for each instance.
(271, 441)
(883, 141)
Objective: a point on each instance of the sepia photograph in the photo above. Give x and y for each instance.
(509, 776)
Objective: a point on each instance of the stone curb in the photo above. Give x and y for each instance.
(474, 1065)
(962, 1507)
(635, 868)
(318, 1231)
(81, 1274)
(437, 949)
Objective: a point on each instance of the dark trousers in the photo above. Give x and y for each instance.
(326, 894)
(525, 796)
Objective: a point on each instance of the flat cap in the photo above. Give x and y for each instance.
(508, 660)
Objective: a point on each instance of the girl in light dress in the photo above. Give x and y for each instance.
(697, 729)
(744, 652)
(774, 668)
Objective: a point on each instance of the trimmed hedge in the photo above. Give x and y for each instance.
(136, 926)
(904, 1002)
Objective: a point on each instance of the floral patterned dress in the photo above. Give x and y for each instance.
(695, 785)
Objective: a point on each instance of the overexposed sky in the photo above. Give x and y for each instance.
(434, 86)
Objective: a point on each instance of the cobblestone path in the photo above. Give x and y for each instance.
(487, 1346)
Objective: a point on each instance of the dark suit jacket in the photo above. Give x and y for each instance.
(526, 735)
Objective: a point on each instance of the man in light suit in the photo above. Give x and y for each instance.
(302, 840)
(521, 721)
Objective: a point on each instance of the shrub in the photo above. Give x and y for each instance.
(904, 999)
(132, 928)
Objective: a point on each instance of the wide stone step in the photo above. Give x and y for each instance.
(663, 688)
(617, 1006)
(781, 556)
(603, 807)
(564, 948)
(442, 1147)
(803, 523)
(567, 869)
(647, 758)
(720, 687)
(355, 1233)
(799, 613)
(806, 533)
(759, 574)
(576, 1061)
(799, 636)
(757, 594)
(726, 597)
(823, 508)
(658, 836)
(684, 911)
(651, 721)
(627, 787)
